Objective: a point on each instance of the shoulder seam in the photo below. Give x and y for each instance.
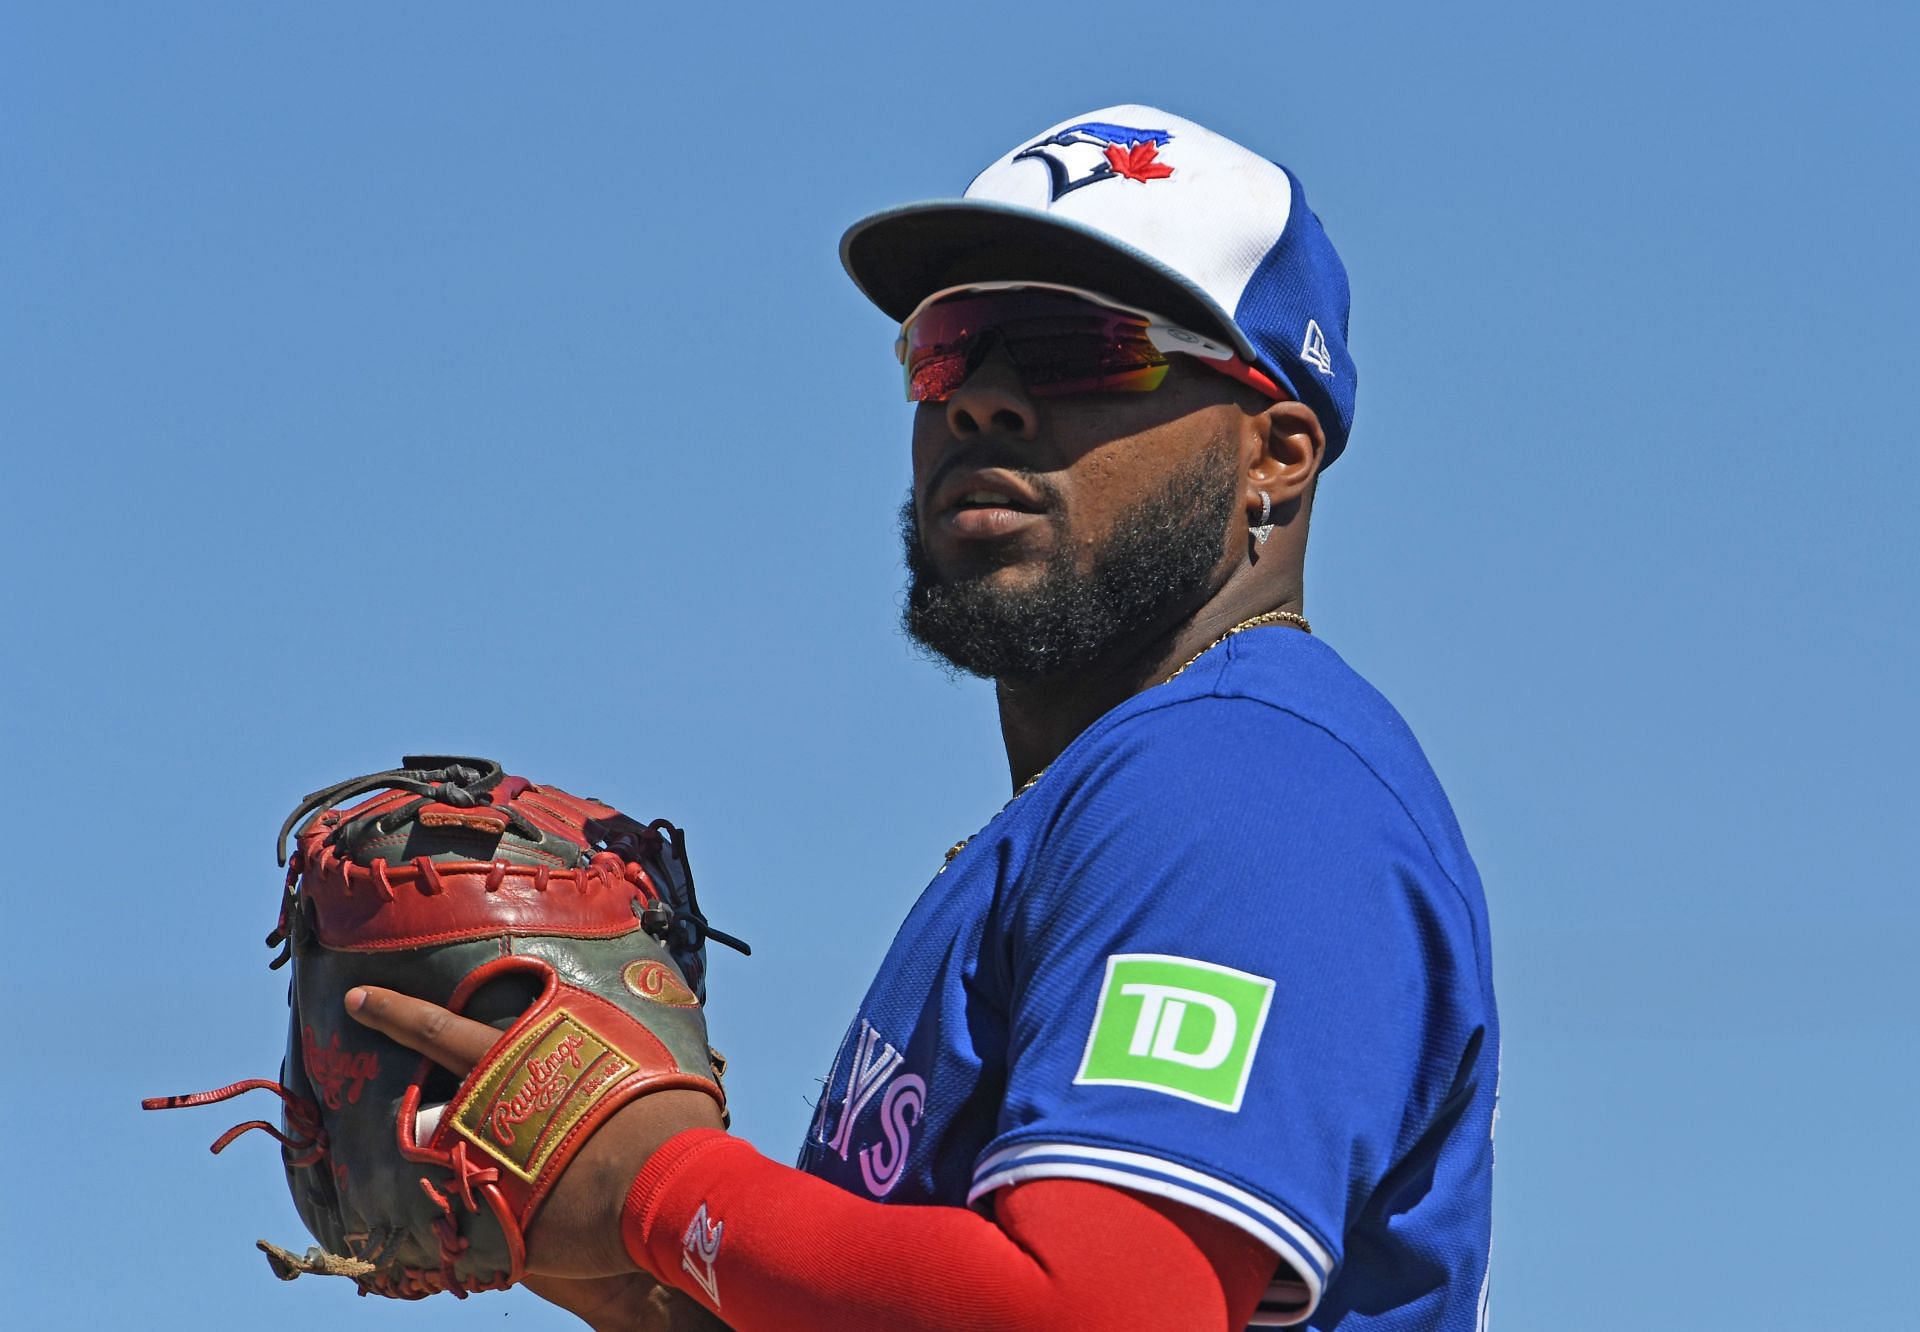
(1213, 692)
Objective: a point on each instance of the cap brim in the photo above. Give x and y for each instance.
(903, 255)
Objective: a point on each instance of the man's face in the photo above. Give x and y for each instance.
(1044, 532)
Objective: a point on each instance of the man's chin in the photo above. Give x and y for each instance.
(1018, 559)
(1005, 578)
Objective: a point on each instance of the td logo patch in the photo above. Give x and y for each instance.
(1176, 1025)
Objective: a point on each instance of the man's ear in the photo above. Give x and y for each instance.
(1287, 448)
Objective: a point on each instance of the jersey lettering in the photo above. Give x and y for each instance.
(874, 1061)
(882, 1164)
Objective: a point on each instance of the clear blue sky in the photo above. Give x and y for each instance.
(469, 377)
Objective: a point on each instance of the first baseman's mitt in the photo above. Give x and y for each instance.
(560, 920)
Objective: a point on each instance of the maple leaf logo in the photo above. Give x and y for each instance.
(1138, 161)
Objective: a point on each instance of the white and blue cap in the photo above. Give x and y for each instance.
(1154, 211)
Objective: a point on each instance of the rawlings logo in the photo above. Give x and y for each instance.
(545, 1086)
(526, 1102)
(656, 981)
(339, 1074)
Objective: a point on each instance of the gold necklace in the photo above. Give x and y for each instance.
(1265, 618)
(1298, 621)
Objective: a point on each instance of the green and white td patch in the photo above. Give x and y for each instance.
(1176, 1025)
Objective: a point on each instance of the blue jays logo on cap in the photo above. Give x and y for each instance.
(1099, 151)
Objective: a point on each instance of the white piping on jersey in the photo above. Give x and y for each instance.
(1165, 1179)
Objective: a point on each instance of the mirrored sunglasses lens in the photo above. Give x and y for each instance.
(1143, 379)
(934, 377)
(1053, 358)
(1060, 345)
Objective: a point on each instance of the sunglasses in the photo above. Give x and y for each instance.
(1061, 340)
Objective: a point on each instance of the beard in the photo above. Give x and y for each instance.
(1158, 558)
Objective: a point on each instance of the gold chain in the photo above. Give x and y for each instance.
(1293, 618)
(1257, 622)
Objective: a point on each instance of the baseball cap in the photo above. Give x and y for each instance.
(1150, 209)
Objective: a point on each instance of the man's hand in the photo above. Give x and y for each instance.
(577, 1234)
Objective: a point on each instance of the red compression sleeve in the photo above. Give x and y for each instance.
(768, 1247)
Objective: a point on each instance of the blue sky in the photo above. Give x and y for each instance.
(466, 377)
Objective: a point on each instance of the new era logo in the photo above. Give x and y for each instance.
(1176, 1025)
(1313, 350)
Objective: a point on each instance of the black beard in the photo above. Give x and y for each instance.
(1160, 555)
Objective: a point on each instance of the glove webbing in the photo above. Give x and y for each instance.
(457, 781)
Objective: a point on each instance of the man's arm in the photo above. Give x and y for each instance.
(769, 1247)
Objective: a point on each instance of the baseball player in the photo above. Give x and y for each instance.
(1199, 1030)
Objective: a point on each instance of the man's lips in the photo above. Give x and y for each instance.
(987, 503)
(984, 523)
(989, 488)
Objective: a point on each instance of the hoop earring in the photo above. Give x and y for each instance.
(1263, 529)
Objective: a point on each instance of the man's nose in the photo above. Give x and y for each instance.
(993, 399)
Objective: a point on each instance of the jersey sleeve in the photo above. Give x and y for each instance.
(1238, 979)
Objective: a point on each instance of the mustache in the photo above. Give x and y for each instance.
(987, 455)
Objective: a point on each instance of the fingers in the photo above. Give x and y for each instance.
(451, 1041)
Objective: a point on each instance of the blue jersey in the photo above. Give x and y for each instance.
(1229, 950)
